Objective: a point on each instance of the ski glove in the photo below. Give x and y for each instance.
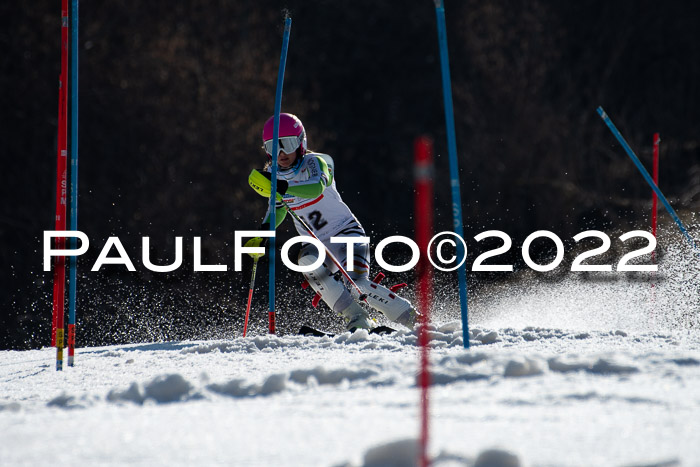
(261, 182)
(282, 185)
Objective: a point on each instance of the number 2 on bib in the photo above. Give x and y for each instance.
(315, 218)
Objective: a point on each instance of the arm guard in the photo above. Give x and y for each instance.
(314, 186)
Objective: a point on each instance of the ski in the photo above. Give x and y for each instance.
(309, 331)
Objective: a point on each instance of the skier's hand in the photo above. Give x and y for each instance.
(282, 185)
(262, 184)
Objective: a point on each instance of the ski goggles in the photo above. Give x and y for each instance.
(288, 144)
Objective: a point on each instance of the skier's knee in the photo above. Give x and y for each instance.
(307, 257)
(333, 291)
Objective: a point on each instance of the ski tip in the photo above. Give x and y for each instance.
(309, 331)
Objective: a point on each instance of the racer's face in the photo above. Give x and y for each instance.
(285, 160)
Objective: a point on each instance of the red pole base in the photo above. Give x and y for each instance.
(271, 315)
(71, 344)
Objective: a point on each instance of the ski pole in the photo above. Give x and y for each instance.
(363, 296)
(253, 242)
(250, 293)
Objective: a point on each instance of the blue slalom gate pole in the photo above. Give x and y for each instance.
(275, 149)
(72, 277)
(647, 177)
(454, 166)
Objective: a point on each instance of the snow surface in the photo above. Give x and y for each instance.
(573, 373)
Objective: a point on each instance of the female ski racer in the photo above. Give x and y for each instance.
(306, 181)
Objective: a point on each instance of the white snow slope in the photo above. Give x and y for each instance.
(569, 374)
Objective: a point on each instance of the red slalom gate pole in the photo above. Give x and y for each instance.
(59, 274)
(655, 176)
(423, 215)
(654, 200)
(423, 179)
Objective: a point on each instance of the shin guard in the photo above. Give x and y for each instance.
(384, 300)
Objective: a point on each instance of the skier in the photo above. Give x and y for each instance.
(306, 183)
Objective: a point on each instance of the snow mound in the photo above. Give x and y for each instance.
(233, 388)
(606, 366)
(497, 458)
(293, 380)
(563, 365)
(161, 389)
(65, 401)
(405, 453)
(133, 394)
(401, 453)
(523, 367)
(11, 407)
(488, 337)
(272, 384)
(334, 376)
(167, 388)
(451, 326)
(662, 463)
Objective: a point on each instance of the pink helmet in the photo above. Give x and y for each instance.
(291, 129)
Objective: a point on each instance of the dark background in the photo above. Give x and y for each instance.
(173, 96)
